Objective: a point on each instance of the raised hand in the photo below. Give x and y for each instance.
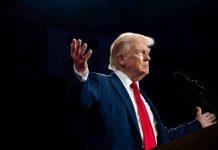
(80, 59)
(205, 119)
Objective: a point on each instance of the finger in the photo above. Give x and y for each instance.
(73, 46)
(207, 114)
(212, 117)
(199, 111)
(87, 55)
(79, 42)
(214, 122)
(83, 49)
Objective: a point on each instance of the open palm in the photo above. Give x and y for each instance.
(80, 59)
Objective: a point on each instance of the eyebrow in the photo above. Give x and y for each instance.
(149, 49)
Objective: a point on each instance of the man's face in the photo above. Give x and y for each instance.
(137, 59)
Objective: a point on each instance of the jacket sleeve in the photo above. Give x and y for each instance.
(78, 94)
(182, 130)
(84, 94)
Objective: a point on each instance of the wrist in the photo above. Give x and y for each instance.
(81, 76)
(80, 71)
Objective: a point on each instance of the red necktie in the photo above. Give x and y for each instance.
(148, 133)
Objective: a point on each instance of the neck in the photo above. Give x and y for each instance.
(133, 77)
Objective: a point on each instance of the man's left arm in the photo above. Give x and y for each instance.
(201, 121)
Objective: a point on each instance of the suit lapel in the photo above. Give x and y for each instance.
(117, 84)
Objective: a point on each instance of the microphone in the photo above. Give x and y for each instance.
(190, 84)
(195, 87)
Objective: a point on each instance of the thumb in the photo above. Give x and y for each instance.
(199, 110)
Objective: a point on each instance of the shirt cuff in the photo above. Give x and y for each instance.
(81, 77)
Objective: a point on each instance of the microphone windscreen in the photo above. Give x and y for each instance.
(181, 76)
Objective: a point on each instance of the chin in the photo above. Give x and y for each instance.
(146, 71)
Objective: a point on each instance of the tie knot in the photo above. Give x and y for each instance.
(134, 85)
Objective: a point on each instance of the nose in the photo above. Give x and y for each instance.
(147, 56)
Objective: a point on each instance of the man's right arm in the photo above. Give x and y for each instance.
(84, 91)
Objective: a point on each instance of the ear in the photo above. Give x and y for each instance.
(122, 60)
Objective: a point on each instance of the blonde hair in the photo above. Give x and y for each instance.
(123, 44)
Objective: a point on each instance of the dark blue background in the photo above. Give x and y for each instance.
(36, 40)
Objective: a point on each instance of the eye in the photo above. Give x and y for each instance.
(142, 52)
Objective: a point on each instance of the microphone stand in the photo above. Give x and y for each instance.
(200, 94)
(196, 88)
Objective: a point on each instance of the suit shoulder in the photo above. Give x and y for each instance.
(98, 75)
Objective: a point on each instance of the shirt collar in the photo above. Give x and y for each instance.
(124, 78)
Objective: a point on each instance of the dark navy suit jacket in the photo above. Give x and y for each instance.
(110, 118)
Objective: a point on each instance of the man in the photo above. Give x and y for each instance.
(115, 111)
